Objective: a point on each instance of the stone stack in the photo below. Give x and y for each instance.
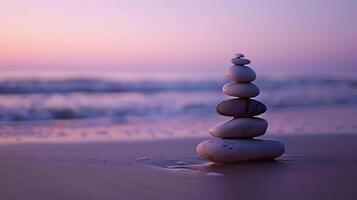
(234, 142)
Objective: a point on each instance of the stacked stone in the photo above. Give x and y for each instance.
(235, 141)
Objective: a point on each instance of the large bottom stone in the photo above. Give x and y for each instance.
(239, 150)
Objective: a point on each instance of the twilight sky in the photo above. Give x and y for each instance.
(309, 36)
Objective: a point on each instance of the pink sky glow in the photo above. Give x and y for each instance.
(177, 35)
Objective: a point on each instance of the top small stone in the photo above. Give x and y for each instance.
(240, 61)
(238, 55)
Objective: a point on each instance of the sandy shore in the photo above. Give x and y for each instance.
(314, 167)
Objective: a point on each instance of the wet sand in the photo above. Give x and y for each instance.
(314, 167)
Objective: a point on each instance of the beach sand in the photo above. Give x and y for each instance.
(313, 167)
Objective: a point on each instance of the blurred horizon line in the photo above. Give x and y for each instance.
(94, 73)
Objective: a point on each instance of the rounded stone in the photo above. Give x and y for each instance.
(240, 61)
(238, 55)
(239, 107)
(239, 150)
(240, 128)
(243, 74)
(243, 90)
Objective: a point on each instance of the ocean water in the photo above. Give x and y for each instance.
(35, 106)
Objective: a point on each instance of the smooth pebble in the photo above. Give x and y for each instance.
(239, 150)
(240, 128)
(243, 90)
(238, 55)
(243, 74)
(240, 61)
(239, 107)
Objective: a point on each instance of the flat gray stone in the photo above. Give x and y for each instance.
(239, 150)
(243, 74)
(240, 128)
(240, 61)
(243, 90)
(239, 107)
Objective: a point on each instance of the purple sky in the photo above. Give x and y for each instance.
(306, 36)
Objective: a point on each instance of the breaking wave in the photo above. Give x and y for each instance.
(23, 100)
